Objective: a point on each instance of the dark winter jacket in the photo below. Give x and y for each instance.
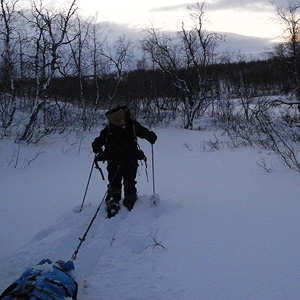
(120, 142)
(45, 281)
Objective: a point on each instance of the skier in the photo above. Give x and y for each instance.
(122, 152)
(47, 281)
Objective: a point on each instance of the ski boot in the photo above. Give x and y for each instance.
(112, 208)
(129, 201)
(112, 201)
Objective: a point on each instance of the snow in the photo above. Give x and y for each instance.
(44, 269)
(223, 228)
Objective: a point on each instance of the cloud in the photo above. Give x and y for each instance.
(243, 5)
(216, 5)
(250, 45)
(234, 43)
(171, 7)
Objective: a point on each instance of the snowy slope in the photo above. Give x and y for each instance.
(227, 229)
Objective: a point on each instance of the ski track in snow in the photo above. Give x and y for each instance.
(229, 230)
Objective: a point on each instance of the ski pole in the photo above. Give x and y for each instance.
(153, 177)
(87, 186)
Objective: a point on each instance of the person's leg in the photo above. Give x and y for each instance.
(129, 176)
(114, 188)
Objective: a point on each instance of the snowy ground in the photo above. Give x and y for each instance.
(228, 229)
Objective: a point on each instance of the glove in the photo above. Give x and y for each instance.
(152, 137)
(101, 156)
(95, 147)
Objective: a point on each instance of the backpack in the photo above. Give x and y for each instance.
(119, 116)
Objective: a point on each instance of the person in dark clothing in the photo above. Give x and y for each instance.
(121, 151)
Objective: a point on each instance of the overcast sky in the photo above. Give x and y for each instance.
(249, 25)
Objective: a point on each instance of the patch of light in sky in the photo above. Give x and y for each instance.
(245, 23)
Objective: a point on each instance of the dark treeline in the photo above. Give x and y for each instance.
(265, 77)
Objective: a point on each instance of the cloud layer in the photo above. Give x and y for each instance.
(243, 5)
(216, 5)
(253, 46)
(250, 45)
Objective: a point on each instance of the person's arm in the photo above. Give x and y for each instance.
(100, 141)
(143, 133)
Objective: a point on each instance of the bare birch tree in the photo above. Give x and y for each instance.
(193, 50)
(117, 58)
(8, 14)
(288, 52)
(51, 29)
(78, 39)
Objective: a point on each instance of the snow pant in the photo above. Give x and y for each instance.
(117, 172)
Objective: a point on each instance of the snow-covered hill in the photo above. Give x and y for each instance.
(224, 228)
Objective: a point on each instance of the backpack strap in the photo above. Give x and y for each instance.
(98, 167)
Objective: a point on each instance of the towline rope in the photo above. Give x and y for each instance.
(74, 256)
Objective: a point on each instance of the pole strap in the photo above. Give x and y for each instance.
(98, 168)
